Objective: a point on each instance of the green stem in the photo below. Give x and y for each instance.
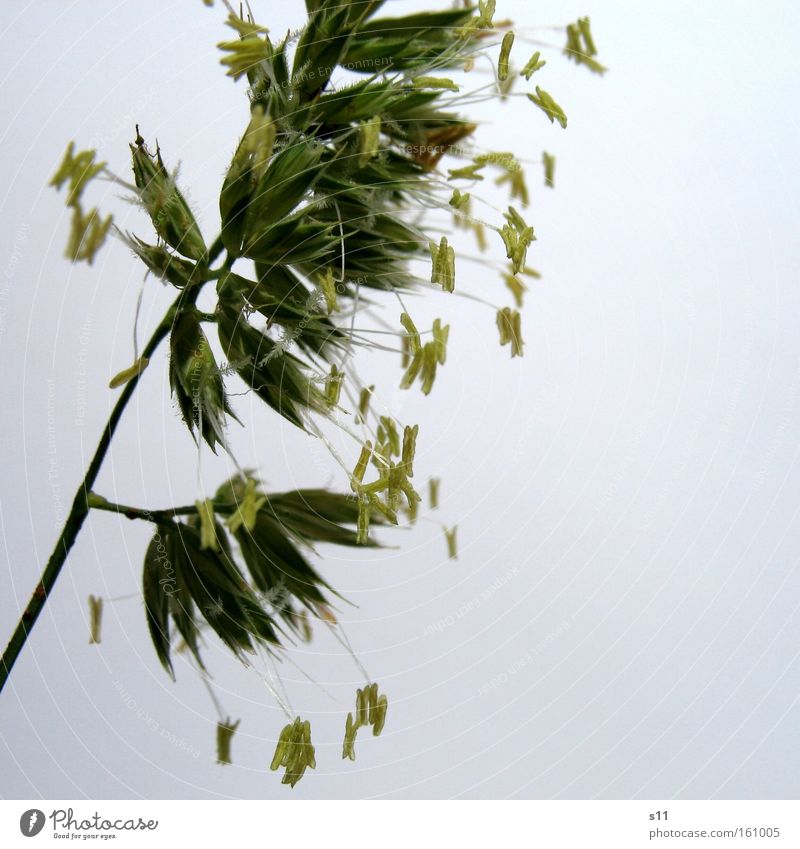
(97, 502)
(80, 506)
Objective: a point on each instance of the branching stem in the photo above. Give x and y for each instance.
(158, 516)
(80, 505)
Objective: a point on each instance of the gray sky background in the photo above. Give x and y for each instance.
(622, 621)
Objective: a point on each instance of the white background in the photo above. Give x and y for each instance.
(622, 621)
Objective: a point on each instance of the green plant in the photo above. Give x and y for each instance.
(350, 120)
